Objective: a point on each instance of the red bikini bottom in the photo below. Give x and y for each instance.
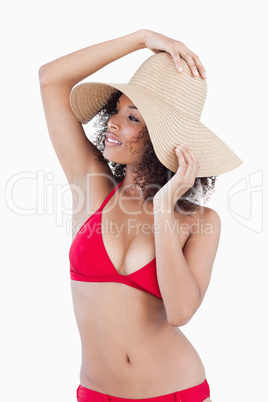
(195, 394)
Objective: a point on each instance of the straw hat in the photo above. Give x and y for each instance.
(171, 104)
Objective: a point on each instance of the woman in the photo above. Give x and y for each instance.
(134, 279)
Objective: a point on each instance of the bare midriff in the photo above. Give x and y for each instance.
(129, 349)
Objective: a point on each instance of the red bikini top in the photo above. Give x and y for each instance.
(89, 261)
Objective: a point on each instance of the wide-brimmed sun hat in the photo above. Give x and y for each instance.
(171, 104)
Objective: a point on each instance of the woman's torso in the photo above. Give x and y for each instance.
(128, 348)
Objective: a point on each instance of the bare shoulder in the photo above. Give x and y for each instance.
(205, 228)
(210, 218)
(202, 212)
(205, 220)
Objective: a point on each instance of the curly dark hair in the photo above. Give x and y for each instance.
(150, 174)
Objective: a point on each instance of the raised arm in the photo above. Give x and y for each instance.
(57, 78)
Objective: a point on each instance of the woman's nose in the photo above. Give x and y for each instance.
(114, 121)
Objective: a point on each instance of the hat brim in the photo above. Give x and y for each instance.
(166, 126)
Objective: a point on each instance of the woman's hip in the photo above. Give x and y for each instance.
(198, 393)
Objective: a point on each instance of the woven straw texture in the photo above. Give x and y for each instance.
(171, 104)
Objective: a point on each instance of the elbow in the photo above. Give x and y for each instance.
(179, 321)
(182, 318)
(43, 75)
(182, 313)
(47, 75)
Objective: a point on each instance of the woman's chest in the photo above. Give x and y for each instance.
(128, 236)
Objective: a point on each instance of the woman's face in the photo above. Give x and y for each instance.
(126, 125)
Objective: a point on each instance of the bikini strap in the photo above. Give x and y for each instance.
(110, 195)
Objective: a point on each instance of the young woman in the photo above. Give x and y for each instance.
(142, 250)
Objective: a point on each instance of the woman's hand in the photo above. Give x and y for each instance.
(182, 180)
(157, 42)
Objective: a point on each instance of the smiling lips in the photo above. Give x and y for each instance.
(111, 139)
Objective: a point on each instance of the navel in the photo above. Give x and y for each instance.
(128, 359)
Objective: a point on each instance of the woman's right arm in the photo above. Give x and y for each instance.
(57, 78)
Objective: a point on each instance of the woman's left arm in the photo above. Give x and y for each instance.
(183, 275)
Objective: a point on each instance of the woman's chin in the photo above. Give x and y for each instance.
(109, 155)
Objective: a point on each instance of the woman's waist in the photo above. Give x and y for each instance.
(157, 341)
(134, 356)
(167, 358)
(145, 378)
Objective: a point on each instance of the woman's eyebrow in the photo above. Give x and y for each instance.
(130, 106)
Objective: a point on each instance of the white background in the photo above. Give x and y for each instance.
(40, 345)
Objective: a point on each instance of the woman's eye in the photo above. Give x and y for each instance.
(132, 118)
